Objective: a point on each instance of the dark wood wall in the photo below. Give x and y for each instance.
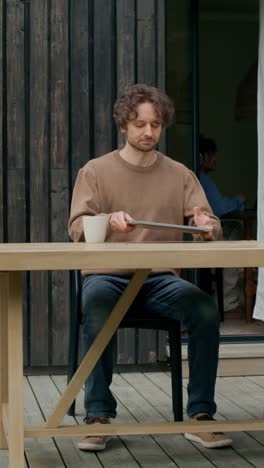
(62, 64)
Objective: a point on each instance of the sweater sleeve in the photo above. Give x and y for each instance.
(85, 201)
(195, 196)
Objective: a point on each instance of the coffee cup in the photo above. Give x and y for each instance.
(95, 228)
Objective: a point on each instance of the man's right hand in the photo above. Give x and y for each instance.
(118, 222)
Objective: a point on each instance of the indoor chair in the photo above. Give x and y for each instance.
(137, 320)
(207, 277)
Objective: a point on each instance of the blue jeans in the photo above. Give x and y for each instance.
(166, 295)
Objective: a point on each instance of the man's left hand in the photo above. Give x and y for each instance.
(202, 220)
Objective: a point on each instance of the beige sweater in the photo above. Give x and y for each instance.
(166, 191)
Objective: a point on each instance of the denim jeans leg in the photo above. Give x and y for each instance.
(100, 294)
(203, 350)
(173, 297)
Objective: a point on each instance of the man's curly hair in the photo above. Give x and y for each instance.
(125, 108)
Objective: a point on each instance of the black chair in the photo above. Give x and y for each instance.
(208, 276)
(139, 320)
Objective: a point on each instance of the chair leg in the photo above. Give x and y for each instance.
(73, 360)
(205, 280)
(220, 291)
(176, 371)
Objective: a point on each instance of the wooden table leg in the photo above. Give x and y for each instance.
(15, 374)
(97, 348)
(3, 353)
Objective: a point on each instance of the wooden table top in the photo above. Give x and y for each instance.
(71, 256)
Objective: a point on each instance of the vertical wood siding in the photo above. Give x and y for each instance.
(62, 65)
(1, 125)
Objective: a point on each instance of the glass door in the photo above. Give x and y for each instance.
(211, 74)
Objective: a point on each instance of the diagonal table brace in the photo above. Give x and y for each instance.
(97, 348)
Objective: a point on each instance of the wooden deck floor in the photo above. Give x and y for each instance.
(145, 397)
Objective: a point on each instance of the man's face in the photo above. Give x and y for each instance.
(210, 161)
(143, 132)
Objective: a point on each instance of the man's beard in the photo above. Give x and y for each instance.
(142, 148)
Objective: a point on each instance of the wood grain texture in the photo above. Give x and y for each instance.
(126, 67)
(125, 77)
(148, 56)
(15, 120)
(62, 76)
(15, 377)
(60, 318)
(161, 61)
(71, 256)
(104, 79)
(15, 157)
(146, 42)
(2, 117)
(125, 44)
(59, 174)
(81, 84)
(39, 174)
(144, 398)
(148, 428)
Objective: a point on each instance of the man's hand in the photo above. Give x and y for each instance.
(118, 222)
(242, 197)
(202, 220)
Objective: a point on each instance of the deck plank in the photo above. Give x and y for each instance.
(243, 392)
(257, 379)
(38, 451)
(4, 459)
(47, 394)
(144, 397)
(144, 453)
(249, 391)
(118, 455)
(218, 457)
(181, 451)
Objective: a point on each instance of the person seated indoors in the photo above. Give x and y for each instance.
(222, 207)
(220, 204)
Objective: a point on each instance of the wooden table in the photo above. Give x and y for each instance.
(18, 258)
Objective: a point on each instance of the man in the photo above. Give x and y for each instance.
(138, 182)
(232, 228)
(220, 205)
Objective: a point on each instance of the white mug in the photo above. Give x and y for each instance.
(95, 228)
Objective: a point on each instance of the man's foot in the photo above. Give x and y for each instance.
(94, 443)
(208, 439)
